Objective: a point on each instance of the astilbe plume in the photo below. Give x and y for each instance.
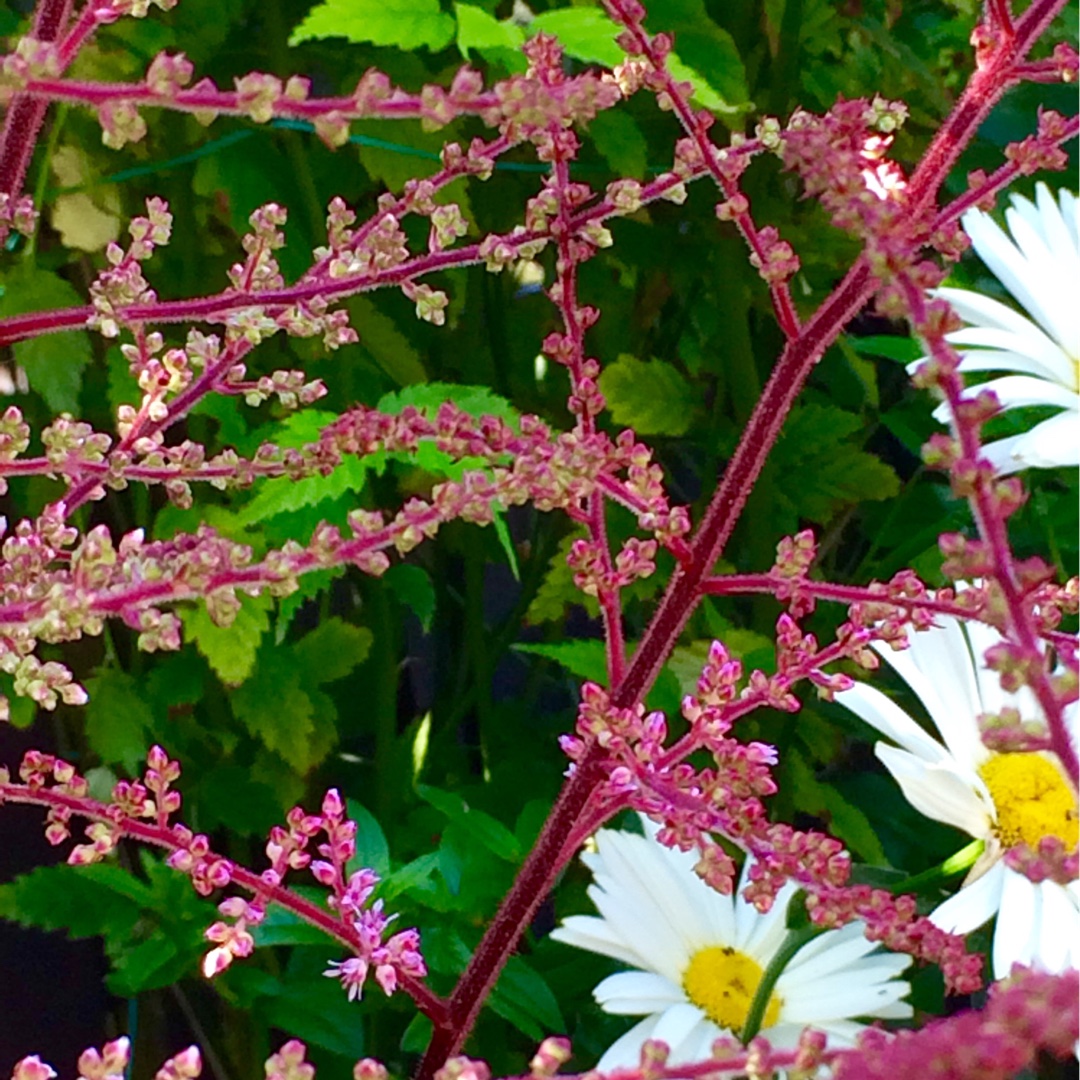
(62, 580)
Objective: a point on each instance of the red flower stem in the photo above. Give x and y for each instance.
(25, 114)
(399, 106)
(984, 89)
(991, 521)
(216, 308)
(740, 584)
(162, 836)
(534, 881)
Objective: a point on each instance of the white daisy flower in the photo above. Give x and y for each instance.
(1040, 266)
(999, 798)
(700, 958)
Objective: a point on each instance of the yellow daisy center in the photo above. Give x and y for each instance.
(1033, 799)
(722, 982)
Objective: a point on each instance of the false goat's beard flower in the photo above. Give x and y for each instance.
(1001, 799)
(1040, 265)
(700, 958)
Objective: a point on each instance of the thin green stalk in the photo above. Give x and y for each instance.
(795, 940)
(963, 860)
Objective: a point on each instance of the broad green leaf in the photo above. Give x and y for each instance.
(478, 30)
(901, 349)
(372, 850)
(274, 708)
(408, 24)
(619, 139)
(586, 33)
(413, 588)
(331, 651)
(411, 875)
(486, 830)
(522, 997)
(651, 397)
(318, 1011)
(230, 796)
(53, 363)
(845, 820)
(118, 719)
(230, 650)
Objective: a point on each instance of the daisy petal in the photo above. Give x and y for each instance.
(973, 905)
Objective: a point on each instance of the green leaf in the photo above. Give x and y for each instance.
(372, 850)
(413, 588)
(118, 719)
(53, 363)
(408, 24)
(845, 820)
(819, 470)
(653, 398)
(410, 876)
(483, 828)
(522, 997)
(274, 708)
(474, 400)
(229, 796)
(151, 964)
(318, 1011)
(332, 650)
(478, 30)
(620, 141)
(231, 650)
(586, 33)
(901, 349)
(586, 658)
(385, 343)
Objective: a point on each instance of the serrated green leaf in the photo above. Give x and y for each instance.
(53, 363)
(76, 900)
(408, 24)
(283, 495)
(478, 30)
(275, 709)
(151, 964)
(385, 342)
(229, 796)
(522, 997)
(486, 830)
(474, 400)
(413, 588)
(653, 398)
(332, 650)
(118, 719)
(231, 651)
(818, 469)
(585, 657)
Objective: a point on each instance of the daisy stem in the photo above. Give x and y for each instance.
(963, 860)
(794, 941)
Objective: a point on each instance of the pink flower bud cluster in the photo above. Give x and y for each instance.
(1028, 1013)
